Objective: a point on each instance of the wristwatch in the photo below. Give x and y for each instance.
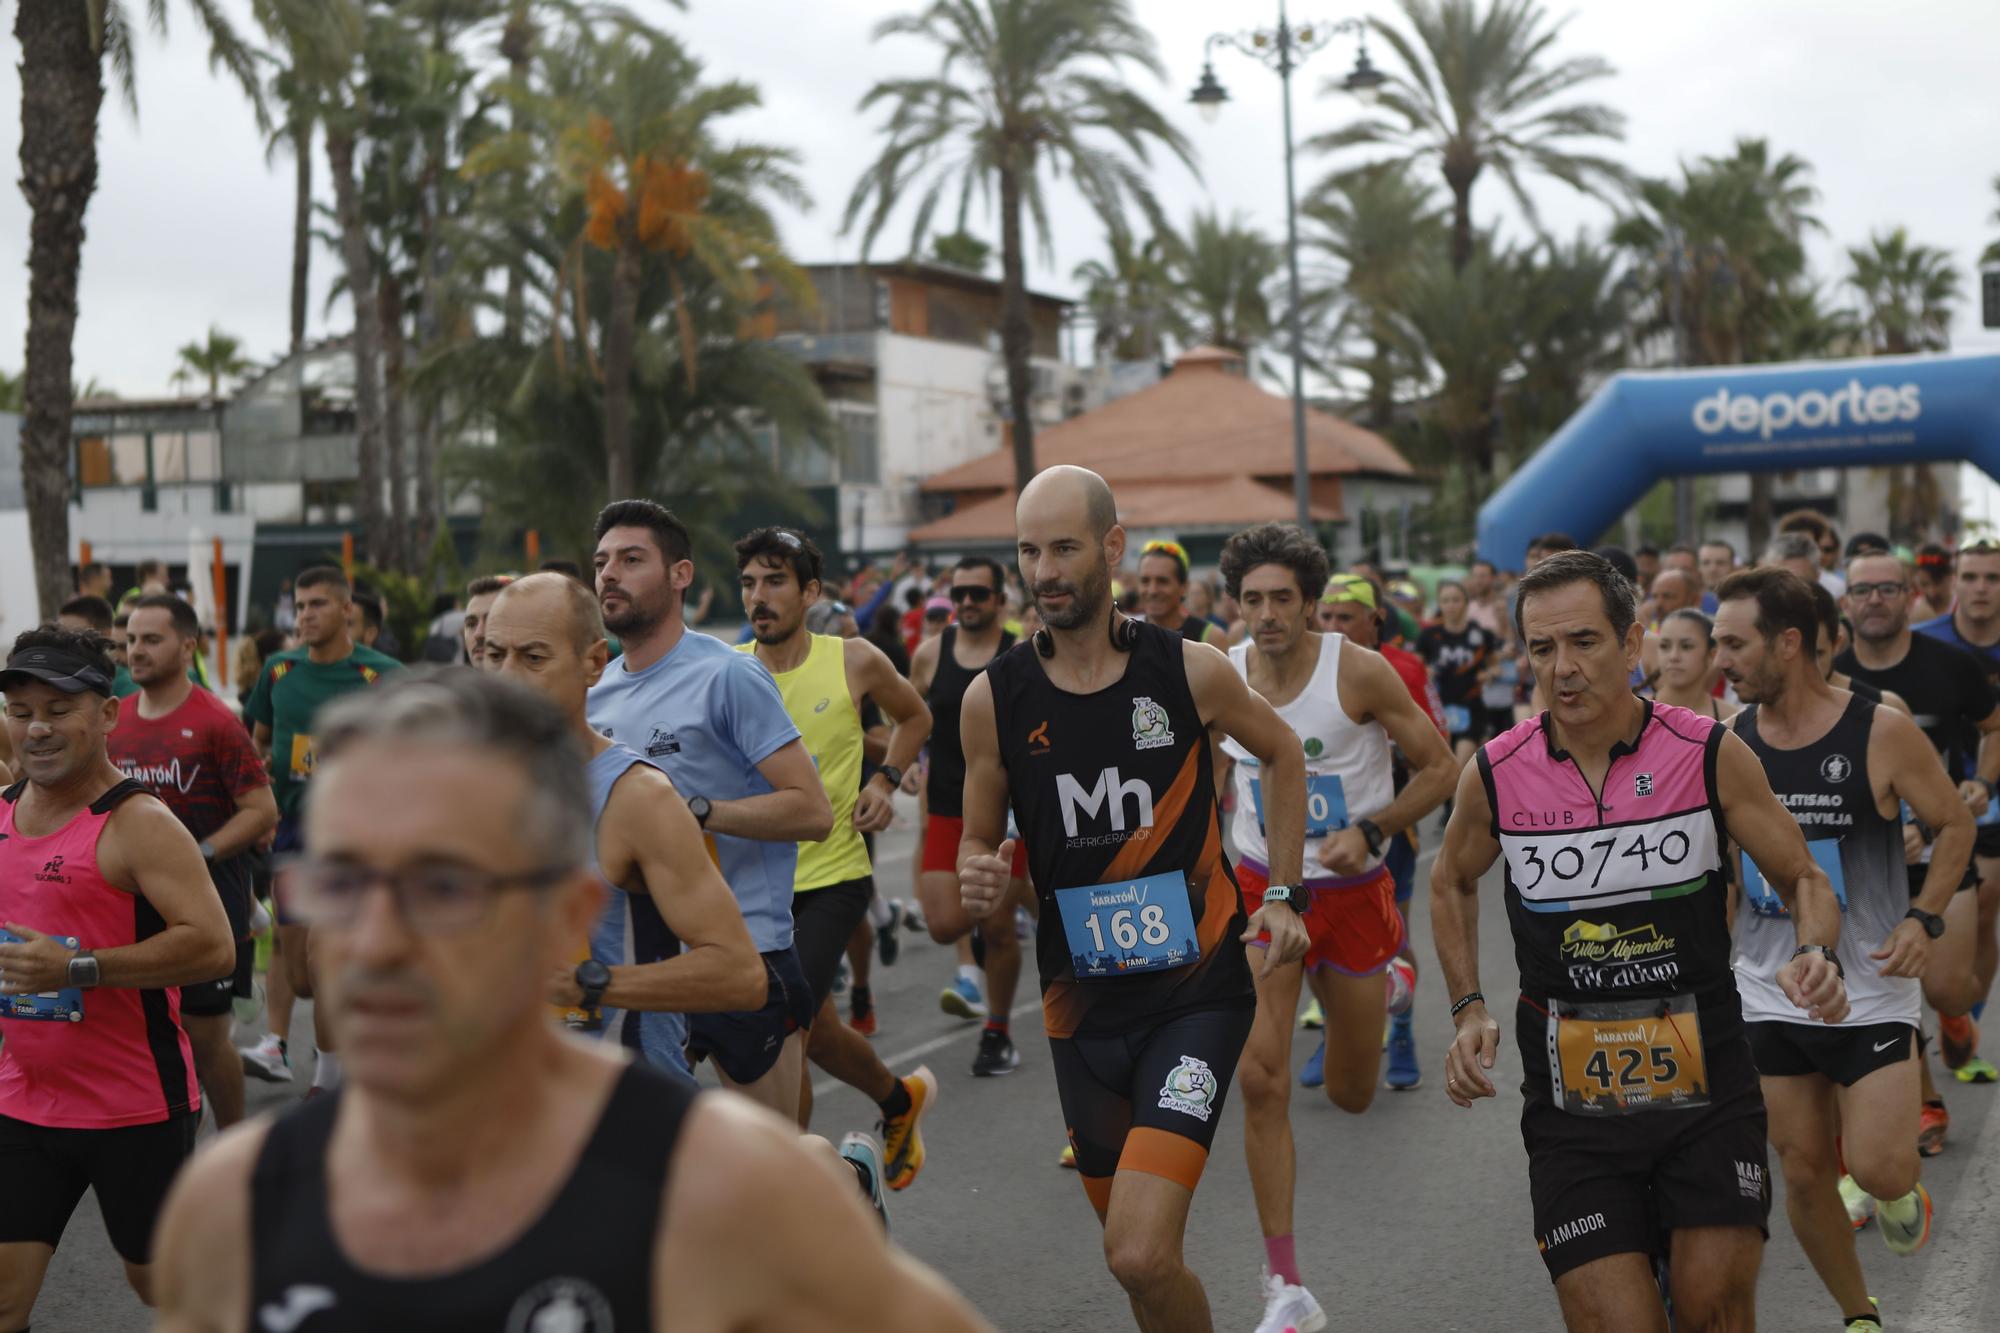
(1932, 923)
(592, 978)
(1295, 896)
(891, 772)
(1825, 953)
(82, 972)
(1374, 834)
(699, 807)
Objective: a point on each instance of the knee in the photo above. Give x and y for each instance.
(1806, 1164)
(1352, 1094)
(141, 1278)
(1140, 1263)
(1266, 1084)
(1001, 941)
(1887, 1170)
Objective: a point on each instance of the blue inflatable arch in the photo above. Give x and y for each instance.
(1647, 425)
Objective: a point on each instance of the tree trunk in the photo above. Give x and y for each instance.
(1758, 519)
(394, 457)
(302, 203)
(620, 330)
(517, 44)
(367, 344)
(1017, 333)
(1459, 177)
(62, 87)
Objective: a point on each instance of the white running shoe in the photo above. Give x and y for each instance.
(1859, 1202)
(1289, 1309)
(266, 1060)
(1401, 979)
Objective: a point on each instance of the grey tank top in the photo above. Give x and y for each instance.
(631, 930)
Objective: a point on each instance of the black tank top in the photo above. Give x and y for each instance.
(945, 788)
(1110, 787)
(584, 1266)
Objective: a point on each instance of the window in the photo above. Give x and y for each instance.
(93, 461)
(169, 457)
(204, 455)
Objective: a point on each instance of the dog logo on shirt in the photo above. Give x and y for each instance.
(561, 1305)
(1189, 1089)
(1150, 728)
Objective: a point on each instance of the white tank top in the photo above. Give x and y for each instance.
(1348, 774)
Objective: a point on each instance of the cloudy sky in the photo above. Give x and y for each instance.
(1892, 105)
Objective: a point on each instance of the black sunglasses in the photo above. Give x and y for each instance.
(970, 592)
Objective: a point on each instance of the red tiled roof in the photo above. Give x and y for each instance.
(1228, 502)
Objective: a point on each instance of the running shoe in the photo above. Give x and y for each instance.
(913, 918)
(1905, 1222)
(1958, 1040)
(1067, 1158)
(888, 944)
(997, 1055)
(902, 1141)
(267, 1060)
(861, 1152)
(1859, 1202)
(1314, 1073)
(1932, 1121)
(260, 917)
(961, 999)
(861, 1013)
(1866, 1323)
(1401, 979)
(1403, 1072)
(1314, 1018)
(247, 1008)
(1289, 1309)
(1978, 1070)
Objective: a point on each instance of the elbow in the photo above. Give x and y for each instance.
(750, 987)
(217, 955)
(819, 822)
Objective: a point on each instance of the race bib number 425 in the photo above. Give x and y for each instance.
(1575, 870)
(1621, 1056)
(1143, 925)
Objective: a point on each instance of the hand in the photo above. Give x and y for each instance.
(1471, 1055)
(1811, 982)
(912, 780)
(1913, 845)
(269, 840)
(1345, 852)
(873, 809)
(983, 881)
(1973, 793)
(564, 993)
(38, 963)
(1907, 951)
(1289, 939)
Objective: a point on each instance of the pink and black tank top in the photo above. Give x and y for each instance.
(124, 1060)
(1617, 894)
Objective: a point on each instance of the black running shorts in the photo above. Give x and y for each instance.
(746, 1045)
(212, 998)
(1617, 1184)
(47, 1170)
(1845, 1055)
(823, 921)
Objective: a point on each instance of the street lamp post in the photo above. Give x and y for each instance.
(1284, 48)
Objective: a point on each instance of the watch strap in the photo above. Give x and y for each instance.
(1824, 952)
(82, 970)
(1932, 923)
(891, 772)
(1374, 835)
(1293, 896)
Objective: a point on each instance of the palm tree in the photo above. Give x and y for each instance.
(220, 355)
(63, 50)
(1474, 92)
(1129, 297)
(961, 249)
(1222, 271)
(1023, 88)
(1907, 292)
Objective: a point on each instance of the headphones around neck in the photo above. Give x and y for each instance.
(1124, 636)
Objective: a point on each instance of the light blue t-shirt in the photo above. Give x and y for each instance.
(708, 715)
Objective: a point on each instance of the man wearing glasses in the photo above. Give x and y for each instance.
(1163, 584)
(479, 1169)
(1973, 624)
(1958, 710)
(1825, 536)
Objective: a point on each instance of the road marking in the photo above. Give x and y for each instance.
(1959, 1279)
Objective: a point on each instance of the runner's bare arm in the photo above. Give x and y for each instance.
(201, 1253)
(1757, 821)
(145, 850)
(745, 1188)
(899, 701)
(1899, 751)
(256, 814)
(1896, 701)
(923, 665)
(648, 841)
(1468, 852)
(985, 862)
(795, 810)
(1387, 700)
(1987, 763)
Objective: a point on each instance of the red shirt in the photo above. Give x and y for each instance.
(1417, 680)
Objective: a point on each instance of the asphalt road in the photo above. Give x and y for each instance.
(1413, 1216)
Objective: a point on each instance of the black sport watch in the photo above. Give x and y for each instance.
(1295, 896)
(699, 807)
(1372, 831)
(592, 978)
(1932, 923)
(891, 772)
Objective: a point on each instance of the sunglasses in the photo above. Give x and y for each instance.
(970, 592)
(1862, 592)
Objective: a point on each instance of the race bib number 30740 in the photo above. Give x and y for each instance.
(1575, 870)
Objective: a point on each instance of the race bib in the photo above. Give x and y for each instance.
(1615, 1057)
(52, 1006)
(1457, 719)
(1763, 899)
(1326, 804)
(1143, 925)
(304, 755)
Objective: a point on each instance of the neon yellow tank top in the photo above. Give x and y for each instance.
(816, 696)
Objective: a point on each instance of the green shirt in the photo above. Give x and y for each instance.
(122, 684)
(289, 695)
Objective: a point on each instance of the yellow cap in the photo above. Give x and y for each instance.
(1349, 588)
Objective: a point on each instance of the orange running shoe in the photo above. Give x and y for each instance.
(1932, 1122)
(902, 1140)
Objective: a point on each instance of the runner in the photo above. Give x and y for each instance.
(712, 718)
(1146, 993)
(942, 669)
(1843, 768)
(1715, 559)
(190, 751)
(295, 684)
(1163, 586)
(1346, 706)
(1958, 710)
(1688, 670)
(1833, 641)
(480, 1170)
(1933, 576)
(824, 681)
(1974, 625)
(1644, 1124)
(1460, 656)
(670, 940)
(479, 595)
(105, 912)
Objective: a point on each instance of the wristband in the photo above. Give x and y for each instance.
(1825, 953)
(1470, 997)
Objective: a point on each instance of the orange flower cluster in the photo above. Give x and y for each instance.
(671, 197)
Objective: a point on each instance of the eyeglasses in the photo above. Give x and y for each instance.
(1829, 548)
(970, 592)
(1862, 592)
(436, 899)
